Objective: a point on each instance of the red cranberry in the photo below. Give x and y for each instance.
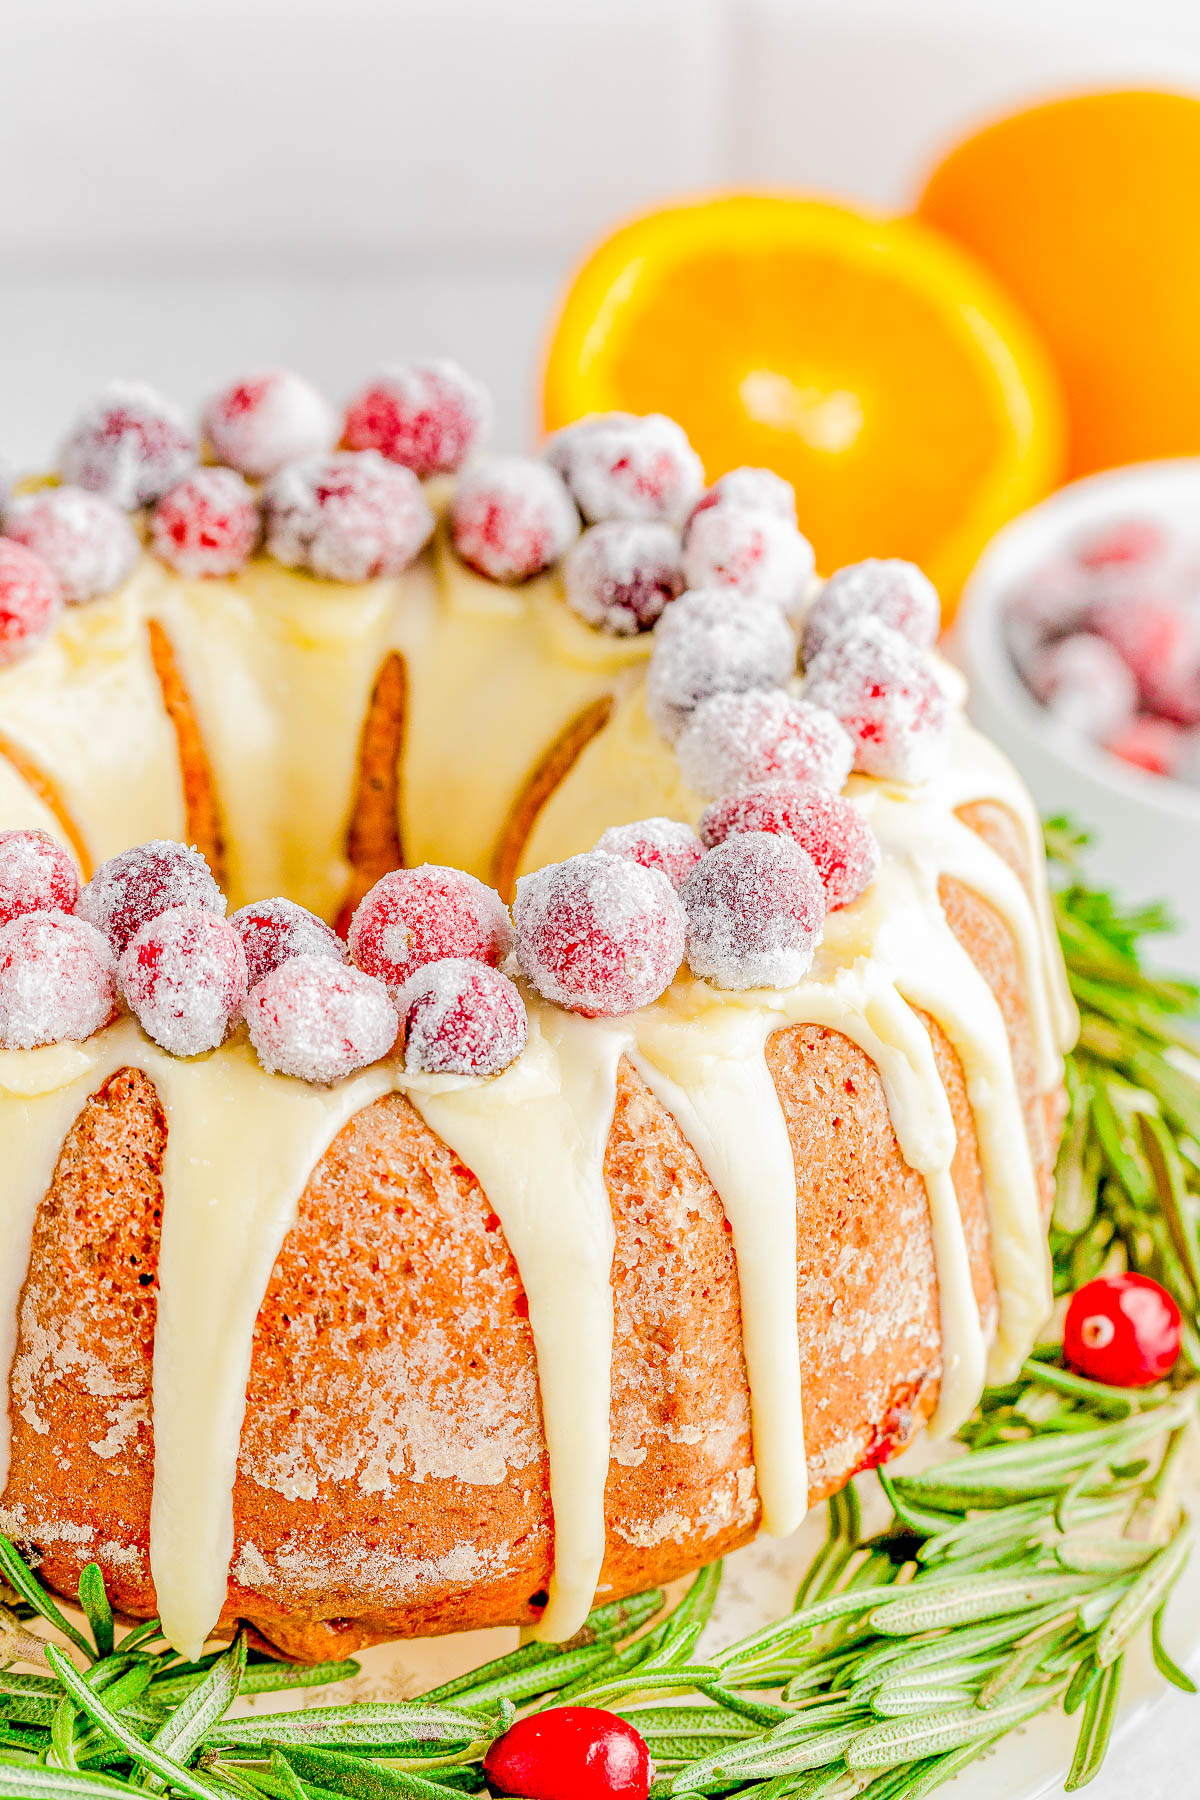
(599, 934)
(761, 490)
(265, 421)
(350, 516)
(273, 931)
(512, 517)
(1160, 642)
(708, 644)
(85, 541)
(30, 601)
(887, 696)
(570, 1753)
(428, 416)
(316, 1019)
(208, 525)
(139, 884)
(828, 828)
(461, 1017)
(131, 445)
(753, 553)
(57, 981)
(1122, 1329)
(894, 592)
(1155, 745)
(620, 575)
(641, 468)
(734, 739)
(1122, 543)
(1085, 685)
(416, 916)
(36, 875)
(755, 909)
(663, 844)
(184, 976)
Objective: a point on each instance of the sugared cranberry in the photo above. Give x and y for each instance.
(1159, 641)
(36, 875)
(460, 1017)
(183, 975)
(759, 489)
(894, 592)
(599, 934)
(642, 468)
(512, 517)
(265, 421)
(427, 416)
(85, 541)
(273, 931)
(416, 916)
(762, 734)
(1122, 1329)
(131, 445)
(319, 1020)
(620, 575)
(30, 601)
(1122, 543)
(570, 1753)
(828, 828)
(57, 981)
(885, 693)
(755, 909)
(559, 448)
(139, 884)
(753, 553)
(1155, 745)
(664, 844)
(708, 643)
(350, 516)
(1085, 685)
(208, 525)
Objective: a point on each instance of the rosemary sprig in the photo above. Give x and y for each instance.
(1012, 1578)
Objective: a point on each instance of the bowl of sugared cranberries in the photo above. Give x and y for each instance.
(1080, 631)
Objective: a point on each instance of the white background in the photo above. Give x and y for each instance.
(193, 188)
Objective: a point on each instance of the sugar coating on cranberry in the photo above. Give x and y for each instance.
(894, 592)
(137, 885)
(461, 1017)
(664, 844)
(429, 416)
(1122, 544)
(273, 931)
(57, 981)
(621, 575)
(85, 541)
(1159, 640)
(570, 1753)
(264, 421)
(183, 975)
(349, 516)
(1122, 1329)
(30, 601)
(641, 468)
(130, 445)
(826, 826)
(319, 1020)
(1083, 682)
(36, 875)
(755, 909)
(887, 696)
(733, 739)
(754, 553)
(708, 643)
(761, 490)
(208, 525)
(512, 517)
(1155, 745)
(560, 446)
(416, 916)
(599, 934)
(1054, 600)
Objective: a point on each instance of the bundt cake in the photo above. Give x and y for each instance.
(456, 1276)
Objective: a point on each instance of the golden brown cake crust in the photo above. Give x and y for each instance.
(392, 1477)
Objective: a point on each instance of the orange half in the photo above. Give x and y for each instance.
(868, 360)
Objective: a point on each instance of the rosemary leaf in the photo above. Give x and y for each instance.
(1095, 1730)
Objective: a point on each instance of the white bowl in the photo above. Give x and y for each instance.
(1146, 827)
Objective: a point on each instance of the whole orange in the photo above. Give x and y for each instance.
(1088, 209)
